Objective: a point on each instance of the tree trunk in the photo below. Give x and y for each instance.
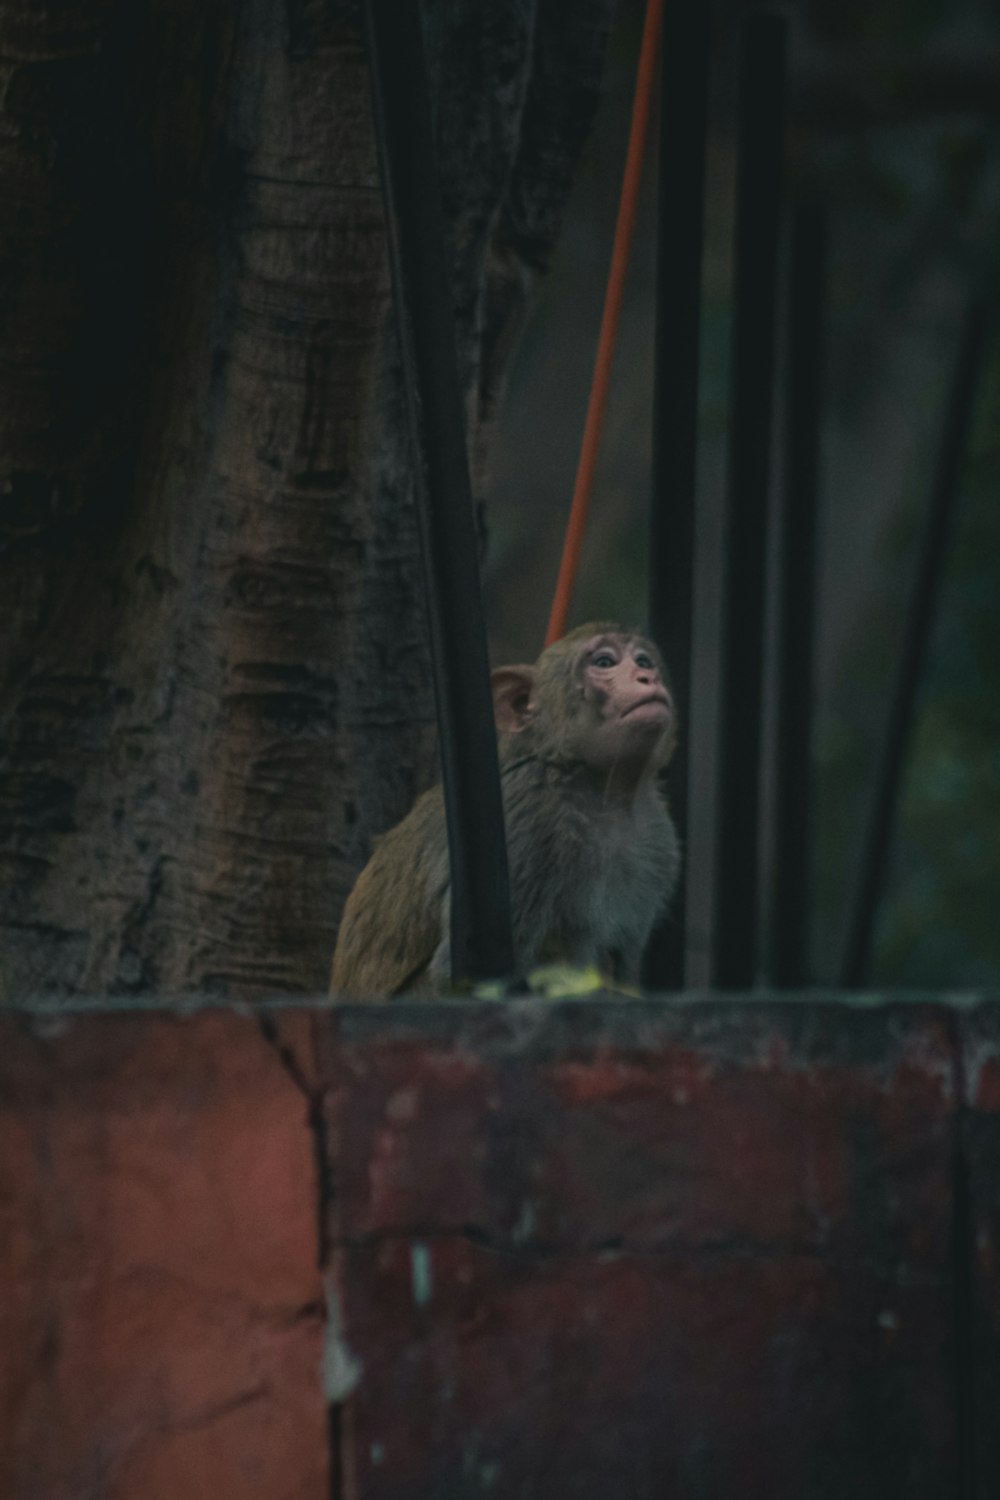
(214, 679)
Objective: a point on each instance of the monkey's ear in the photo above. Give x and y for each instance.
(513, 704)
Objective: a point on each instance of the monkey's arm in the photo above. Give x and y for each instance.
(392, 920)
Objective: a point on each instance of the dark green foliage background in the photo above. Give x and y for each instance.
(909, 166)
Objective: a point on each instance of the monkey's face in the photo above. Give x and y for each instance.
(598, 697)
(627, 715)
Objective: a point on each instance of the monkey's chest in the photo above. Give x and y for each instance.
(587, 880)
(616, 905)
(612, 893)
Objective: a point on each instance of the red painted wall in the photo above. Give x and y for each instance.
(162, 1304)
(585, 1249)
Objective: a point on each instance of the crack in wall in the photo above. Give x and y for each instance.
(341, 1371)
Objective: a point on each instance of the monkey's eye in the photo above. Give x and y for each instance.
(644, 661)
(603, 659)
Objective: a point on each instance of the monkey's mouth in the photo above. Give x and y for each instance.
(653, 709)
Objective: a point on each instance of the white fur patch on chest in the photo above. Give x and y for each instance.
(622, 887)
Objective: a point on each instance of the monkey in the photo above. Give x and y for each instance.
(592, 851)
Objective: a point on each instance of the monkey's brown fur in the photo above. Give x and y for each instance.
(591, 846)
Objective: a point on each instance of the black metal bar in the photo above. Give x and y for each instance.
(480, 901)
(920, 616)
(683, 130)
(797, 600)
(758, 215)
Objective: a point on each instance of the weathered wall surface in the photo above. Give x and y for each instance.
(162, 1301)
(585, 1249)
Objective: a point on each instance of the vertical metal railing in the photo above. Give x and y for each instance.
(920, 616)
(758, 216)
(681, 193)
(793, 801)
(480, 901)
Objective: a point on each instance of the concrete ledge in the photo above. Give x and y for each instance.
(592, 1248)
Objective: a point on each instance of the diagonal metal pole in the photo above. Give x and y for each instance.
(758, 219)
(683, 130)
(481, 944)
(920, 617)
(797, 599)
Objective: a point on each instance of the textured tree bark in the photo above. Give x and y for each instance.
(214, 681)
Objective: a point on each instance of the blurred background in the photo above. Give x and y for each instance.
(895, 126)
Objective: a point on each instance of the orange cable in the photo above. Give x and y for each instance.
(645, 77)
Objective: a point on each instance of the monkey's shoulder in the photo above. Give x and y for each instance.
(392, 918)
(427, 810)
